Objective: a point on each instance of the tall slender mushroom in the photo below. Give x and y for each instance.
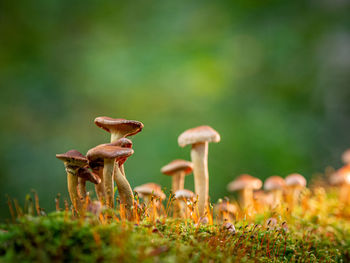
(121, 128)
(199, 138)
(73, 161)
(177, 169)
(275, 185)
(109, 154)
(294, 183)
(245, 184)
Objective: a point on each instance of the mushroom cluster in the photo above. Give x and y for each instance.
(103, 166)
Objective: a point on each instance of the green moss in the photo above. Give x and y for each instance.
(58, 237)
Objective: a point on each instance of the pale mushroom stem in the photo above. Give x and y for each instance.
(277, 197)
(125, 191)
(72, 181)
(99, 188)
(108, 181)
(246, 197)
(178, 181)
(199, 156)
(293, 197)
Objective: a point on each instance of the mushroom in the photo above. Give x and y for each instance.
(121, 128)
(73, 161)
(109, 154)
(341, 178)
(226, 211)
(245, 184)
(96, 166)
(148, 192)
(294, 183)
(84, 174)
(275, 185)
(183, 196)
(346, 156)
(199, 138)
(124, 188)
(177, 169)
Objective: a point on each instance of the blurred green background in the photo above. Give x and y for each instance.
(272, 77)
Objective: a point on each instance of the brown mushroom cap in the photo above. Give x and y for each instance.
(184, 194)
(73, 158)
(244, 181)
(274, 183)
(346, 157)
(124, 127)
(88, 175)
(177, 166)
(108, 152)
(227, 207)
(295, 180)
(342, 176)
(122, 142)
(150, 189)
(199, 134)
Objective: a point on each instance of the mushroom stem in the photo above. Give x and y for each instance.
(178, 181)
(246, 197)
(276, 197)
(108, 181)
(72, 181)
(99, 188)
(293, 197)
(82, 188)
(199, 156)
(125, 191)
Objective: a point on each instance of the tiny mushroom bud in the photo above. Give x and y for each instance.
(294, 183)
(109, 154)
(73, 161)
(275, 185)
(182, 197)
(177, 169)
(245, 184)
(199, 138)
(148, 192)
(346, 157)
(226, 211)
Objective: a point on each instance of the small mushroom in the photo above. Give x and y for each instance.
(341, 179)
(73, 161)
(182, 197)
(245, 184)
(199, 138)
(177, 169)
(226, 211)
(84, 175)
(294, 184)
(275, 185)
(152, 195)
(346, 156)
(109, 154)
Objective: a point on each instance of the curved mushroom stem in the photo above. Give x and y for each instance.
(124, 189)
(246, 197)
(199, 156)
(99, 188)
(72, 181)
(178, 181)
(108, 181)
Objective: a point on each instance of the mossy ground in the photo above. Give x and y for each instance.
(60, 237)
